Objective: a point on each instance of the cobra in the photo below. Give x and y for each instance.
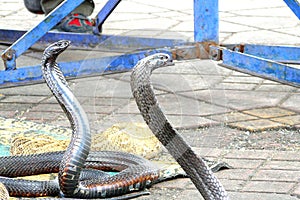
(137, 173)
(195, 167)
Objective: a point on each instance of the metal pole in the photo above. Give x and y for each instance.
(206, 21)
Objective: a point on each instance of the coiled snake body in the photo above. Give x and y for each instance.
(137, 174)
(200, 174)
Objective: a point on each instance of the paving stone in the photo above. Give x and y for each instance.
(229, 185)
(232, 185)
(235, 86)
(262, 37)
(264, 196)
(244, 163)
(249, 154)
(173, 104)
(184, 82)
(289, 120)
(277, 175)
(180, 183)
(240, 100)
(268, 187)
(43, 116)
(235, 174)
(190, 194)
(269, 112)
(232, 117)
(296, 191)
(34, 90)
(22, 99)
(48, 107)
(286, 156)
(190, 122)
(282, 165)
(210, 152)
(243, 79)
(292, 102)
(275, 88)
(256, 125)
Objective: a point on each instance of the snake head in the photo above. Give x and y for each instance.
(159, 60)
(56, 48)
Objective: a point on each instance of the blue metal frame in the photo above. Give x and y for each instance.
(284, 54)
(80, 68)
(206, 21)
(32, 36)
(104, 13)
(258, 66)
(255, 59)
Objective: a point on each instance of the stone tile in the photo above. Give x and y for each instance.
(184, 82)
(249, 154)
(259, 195)
(282, 11)
(235, 86)
(187, 194)
(263, 22)
(8, 114)
(181, 183)
(275, 88)
(232, 185)
(44, 116)
(232, 117)
(102, 109)
(292, 102)
(34, 90)
(256, 125)
(244, 163)
(286, 156)
(99, 88)
(277, 175)
(173, 104)
(262, 37)
(243, 79)
(189, 122)
(239, 100)
(268, 187)
(289, 120)
(269, 112)
(209, 152)
(235, 174)
(282, 165)
(16, 107)
(48, 107)
(296, 191)
(229, 27)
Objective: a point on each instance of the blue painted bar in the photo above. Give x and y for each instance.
(261, 67)
(33, 35)
(104, 13)
(88, 41)
(89, 67)
(294, 5)
(285, 54)
(206, 21)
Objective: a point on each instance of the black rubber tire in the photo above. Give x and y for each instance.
(34, 6)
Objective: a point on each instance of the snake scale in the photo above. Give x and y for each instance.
(137, 173)
(195, 167)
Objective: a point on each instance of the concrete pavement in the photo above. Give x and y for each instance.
(251, 123)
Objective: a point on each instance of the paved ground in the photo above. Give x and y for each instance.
(250, 122)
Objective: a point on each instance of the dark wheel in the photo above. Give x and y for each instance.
(34, 6)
